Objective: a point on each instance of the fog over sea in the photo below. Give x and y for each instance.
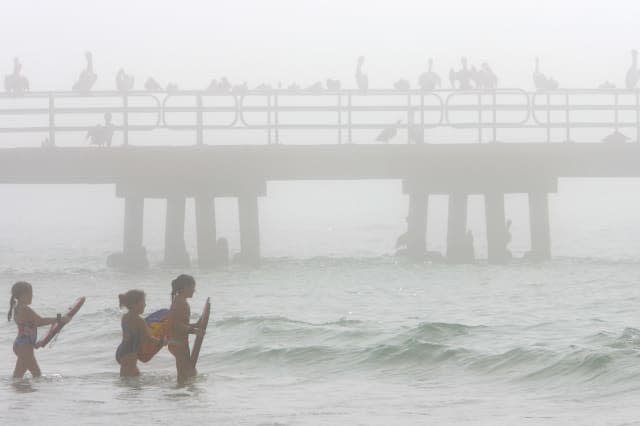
(333, 329)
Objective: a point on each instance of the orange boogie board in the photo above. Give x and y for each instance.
(157, 323)
(56, 327)
(204, 321)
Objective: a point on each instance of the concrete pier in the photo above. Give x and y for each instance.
(417, 226)
(497, 236)
(457, 242)
(206, 231)
(133, 255)
(175, 251)
(249, 230)
(540, 229)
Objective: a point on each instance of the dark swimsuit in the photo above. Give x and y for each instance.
(131, 342)
(27, 335)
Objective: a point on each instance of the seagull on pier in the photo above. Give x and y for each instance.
(87, 77)
(315, 87)
(124, 82)
(429, 80)
(388, 133)
(14, 82)
(333, 85)
(402, 85)
(616, 137)
(152, 85)
(633, 75)
(101, 135)
(362, 80)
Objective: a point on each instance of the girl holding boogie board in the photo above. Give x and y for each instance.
(28, 322)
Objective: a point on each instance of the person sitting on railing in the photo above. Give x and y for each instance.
(87, 77)
(429, 80)
(124, 82)
(633, 75)
(14, 82)
(101, 135)
(541, 81)
(463, 77)
(152, 86)
(362, 80)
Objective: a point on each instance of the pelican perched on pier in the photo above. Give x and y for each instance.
(124, 82)
(87, 77)
(489, 78)
(463, 76)
(14, 82)
(152, 85)
(362, 80)
(315, 87)
(429, 80)
(633, 75)
(541, 81)
(101, 135)
(388, 133)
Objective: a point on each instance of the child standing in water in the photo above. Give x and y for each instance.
(182, 288)
(28, 322)
(134, 332)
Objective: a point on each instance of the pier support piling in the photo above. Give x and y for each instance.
(540, 229)
(417, 226)
(249, 230)
(175, 251)
(133, 255)
(497, 233)
(457, 240)
(206, 231)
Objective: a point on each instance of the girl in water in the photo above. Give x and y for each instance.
(134, 332)
(182, 288)
(28, 322)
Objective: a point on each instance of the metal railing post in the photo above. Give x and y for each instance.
(567, 117)
(548, 118)
(409, 118)
(52, 123)
(479, 117)
(495, 118)
(199, 120)
(277, 119)
(125, 120)
(269, 119)
(339, 119)
(349, 139)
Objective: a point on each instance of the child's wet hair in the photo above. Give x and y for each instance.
(17, 290)
(130, 298)
(181, 282)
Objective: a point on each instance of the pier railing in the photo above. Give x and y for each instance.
(345, 112)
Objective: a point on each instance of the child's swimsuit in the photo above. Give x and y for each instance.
(27, 335)
(131, 342)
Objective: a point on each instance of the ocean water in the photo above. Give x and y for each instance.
(333, 329)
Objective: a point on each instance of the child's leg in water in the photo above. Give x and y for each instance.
(183, 361)
(26, 361)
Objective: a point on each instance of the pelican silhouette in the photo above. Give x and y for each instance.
(463, 76)
(633, 74)
(541, 81)
(315, 87)
(124, 82)
(489, 78)
(429, 80)
(16, 83)
(152, 86)
(361, 78)
(388, 133)
(87, 77)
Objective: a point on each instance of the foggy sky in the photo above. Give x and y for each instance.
(581, 43)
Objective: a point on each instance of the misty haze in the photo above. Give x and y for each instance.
(291, 212)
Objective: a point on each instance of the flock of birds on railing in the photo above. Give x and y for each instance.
(465, 78)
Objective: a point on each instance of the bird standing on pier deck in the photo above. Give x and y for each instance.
(429, 80)
(14, 82)
(101, 135)
(362, 80)
(152, 86)
(402, 85)
(87, 77)
(333, 85)
(633, 75)
(541, 81)
(124, 82)
(388, 133)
